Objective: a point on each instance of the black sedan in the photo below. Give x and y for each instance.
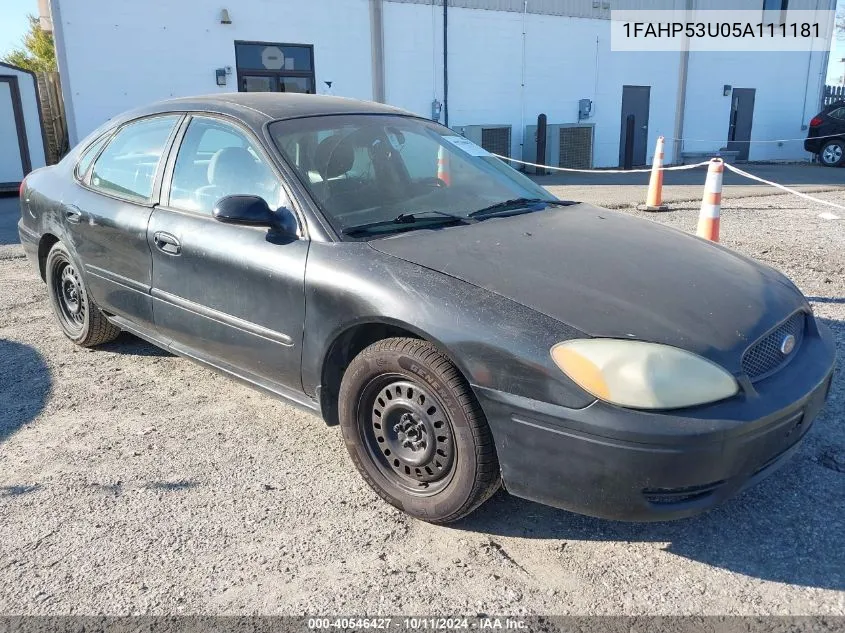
(826, 135)
(463, 326)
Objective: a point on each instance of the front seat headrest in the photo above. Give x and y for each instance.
(232, 165)
(334, 157)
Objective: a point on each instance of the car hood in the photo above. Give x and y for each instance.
(608, 274)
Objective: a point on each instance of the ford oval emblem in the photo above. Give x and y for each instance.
(787, 344)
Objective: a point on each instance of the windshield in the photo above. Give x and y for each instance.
(398, 173)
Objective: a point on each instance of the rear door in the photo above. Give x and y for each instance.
(232, 296)
(107, 217)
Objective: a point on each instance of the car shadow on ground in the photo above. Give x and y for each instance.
(24, 388)
(130, 345)
(788, 528)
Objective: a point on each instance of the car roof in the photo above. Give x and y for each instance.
(260, 107)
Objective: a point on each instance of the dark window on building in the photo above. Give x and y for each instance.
(775, 5)
(269, 67)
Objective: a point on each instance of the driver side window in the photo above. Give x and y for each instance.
(216, 160)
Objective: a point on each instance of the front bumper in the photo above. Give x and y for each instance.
(622, 464)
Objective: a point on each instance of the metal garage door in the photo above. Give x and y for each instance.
(14, 157)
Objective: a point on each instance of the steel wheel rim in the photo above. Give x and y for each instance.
(70, 296)
(832, 154)
(408, 434)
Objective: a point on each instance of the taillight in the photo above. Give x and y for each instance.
(816, 121)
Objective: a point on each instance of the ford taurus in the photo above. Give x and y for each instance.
(464, 327)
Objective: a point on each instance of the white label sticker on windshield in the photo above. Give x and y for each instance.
(467, 145)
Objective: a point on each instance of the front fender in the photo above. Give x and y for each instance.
(495, 342)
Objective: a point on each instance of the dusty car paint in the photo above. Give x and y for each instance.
(495, 296)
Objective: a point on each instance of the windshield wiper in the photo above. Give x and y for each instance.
(406, 221)
(515, 204)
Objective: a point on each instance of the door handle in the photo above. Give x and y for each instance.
(73, 214)
(167, 243)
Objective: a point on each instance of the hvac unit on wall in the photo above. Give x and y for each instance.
(496, 139)
(567, 145)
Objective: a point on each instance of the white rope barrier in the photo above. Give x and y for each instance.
(736, 170)
(601, 171)
(776, 140)
(825, 216)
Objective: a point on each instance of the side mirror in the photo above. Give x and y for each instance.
(254, 211)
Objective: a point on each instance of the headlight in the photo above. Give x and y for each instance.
(642, 375)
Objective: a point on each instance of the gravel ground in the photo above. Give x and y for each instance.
(132, 481)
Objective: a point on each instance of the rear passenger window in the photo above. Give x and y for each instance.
(128, 165)
(217, 160)
(88, 157)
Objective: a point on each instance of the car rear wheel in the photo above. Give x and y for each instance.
(415, 431)
(833, 153)
(80, 319)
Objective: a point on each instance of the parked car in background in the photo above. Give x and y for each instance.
(461, 324)
(826, 136)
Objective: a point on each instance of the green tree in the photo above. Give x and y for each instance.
(37, 53)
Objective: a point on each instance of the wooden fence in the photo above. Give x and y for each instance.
(832, 94)
(53, 116)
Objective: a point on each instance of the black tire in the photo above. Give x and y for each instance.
(416, 432)
(833, 153)
(80, 319)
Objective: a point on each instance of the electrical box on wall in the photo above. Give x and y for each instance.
(220, 74)
(585, 109)
(436, 109)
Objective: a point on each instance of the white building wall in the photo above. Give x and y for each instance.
(781, 106)
(117, 55)
(567, 59)
(121, 54)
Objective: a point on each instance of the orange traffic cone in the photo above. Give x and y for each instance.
(654, 201)
(443, 166)
(711, 203)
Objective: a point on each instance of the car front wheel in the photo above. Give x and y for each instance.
(416, 432)
(80, 319)
(833, 154)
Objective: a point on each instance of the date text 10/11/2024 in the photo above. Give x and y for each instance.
(418, 623)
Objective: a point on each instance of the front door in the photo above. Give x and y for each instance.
(231, 296)
(739, 124)
(14, 154)
(635, 102)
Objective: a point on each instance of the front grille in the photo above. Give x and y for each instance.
(765, 356)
